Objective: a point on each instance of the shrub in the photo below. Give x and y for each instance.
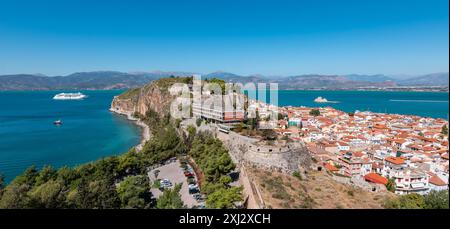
(198, 122)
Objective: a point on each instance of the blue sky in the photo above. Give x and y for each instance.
(245, 37)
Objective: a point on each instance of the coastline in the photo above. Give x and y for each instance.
(145, 129)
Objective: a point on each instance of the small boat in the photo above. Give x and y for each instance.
(58, 122)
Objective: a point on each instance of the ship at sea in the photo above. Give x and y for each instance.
(69, 96)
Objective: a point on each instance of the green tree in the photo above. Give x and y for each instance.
(191, 135)
(165, 144)
(210, 155)
(198, 122)
(444, 130)
(191, 130)
(409, 201)
(27, 177)
(224, 198)
(46, 174)
(134, 192)
(15, 196)
(252, 122)
(2, 180)
(219, 82)
(47, 195)
(67, 176)
(177, 123)
(437, 200)
(297, 175)
(170, 199)
(390, 186)
(96, 194)
(314, 112)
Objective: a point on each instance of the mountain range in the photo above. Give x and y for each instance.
(120, 80)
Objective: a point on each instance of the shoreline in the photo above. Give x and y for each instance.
(145, 129)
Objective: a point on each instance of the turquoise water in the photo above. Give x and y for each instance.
(427, 104)
(89, 131)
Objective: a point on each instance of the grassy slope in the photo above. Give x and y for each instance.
(318, 191)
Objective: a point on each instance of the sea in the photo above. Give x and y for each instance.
(90, 131)
(425, 104)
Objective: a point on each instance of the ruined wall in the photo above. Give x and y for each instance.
(286, 158)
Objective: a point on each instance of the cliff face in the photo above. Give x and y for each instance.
(154, 96)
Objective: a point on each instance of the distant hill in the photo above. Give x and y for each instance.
(77, 81)
(327, 81)
(370, 78)
(313, 81)
(119, 80)
(304, 81)
(436, 79)
(230, 77)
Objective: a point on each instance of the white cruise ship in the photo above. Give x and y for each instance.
(69, 96)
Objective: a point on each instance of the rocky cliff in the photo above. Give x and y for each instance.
(154, 96)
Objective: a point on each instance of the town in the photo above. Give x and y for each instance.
(401, 153)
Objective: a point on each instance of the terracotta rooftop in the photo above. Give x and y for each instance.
(437, 181)
(395, 160)
(375, 178)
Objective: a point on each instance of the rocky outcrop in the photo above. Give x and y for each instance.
(154, 96)
(123, 106)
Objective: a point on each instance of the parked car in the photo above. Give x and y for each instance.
(198, 197)
(165, 183)
(193, 190)
(191, 180)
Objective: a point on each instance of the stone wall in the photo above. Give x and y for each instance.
(285, 158)
(359, 182)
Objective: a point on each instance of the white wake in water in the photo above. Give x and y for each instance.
(418, 101)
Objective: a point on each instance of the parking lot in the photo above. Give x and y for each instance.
(173, 173)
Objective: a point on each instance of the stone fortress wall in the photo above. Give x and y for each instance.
(286, 158)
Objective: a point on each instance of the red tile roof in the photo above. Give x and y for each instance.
(375, 178)
(437, 181)
(395, 160)
(330, 167)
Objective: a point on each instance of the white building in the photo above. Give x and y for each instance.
(407, 180)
